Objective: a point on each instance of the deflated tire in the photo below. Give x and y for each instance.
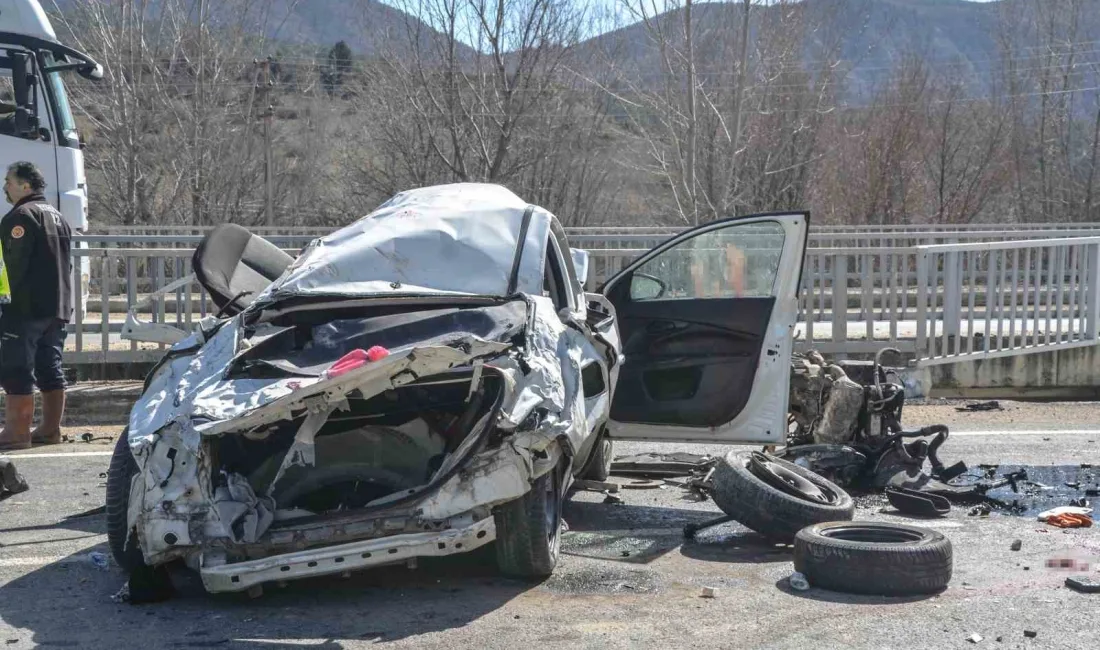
(773, 512)
(874, 558)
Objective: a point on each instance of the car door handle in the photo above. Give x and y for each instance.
(661, 327)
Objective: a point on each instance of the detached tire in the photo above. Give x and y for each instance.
(121, 540)
(529, 530)
(873, 558)
(766, 509)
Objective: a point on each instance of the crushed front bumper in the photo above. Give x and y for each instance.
(241, 576)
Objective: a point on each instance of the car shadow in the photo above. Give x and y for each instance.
(382, 604)
(735, 544)
(641, 534)
(826, 596)
(627, 533)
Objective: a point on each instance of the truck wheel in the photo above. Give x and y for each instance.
(769, 510)
(529, 529)
(873, 558)
(598, 467)
(120, 538)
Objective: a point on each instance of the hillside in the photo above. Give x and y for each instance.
(869, 37)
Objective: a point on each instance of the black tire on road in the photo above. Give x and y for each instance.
(121, 540)
(598, 467)
(768, 510)
(874, 558)
(529, 529)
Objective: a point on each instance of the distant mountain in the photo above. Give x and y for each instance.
(954, 37)
(369, 27)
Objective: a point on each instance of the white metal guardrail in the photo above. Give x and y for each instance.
(941, 302)
(995, 299)
(626, 238)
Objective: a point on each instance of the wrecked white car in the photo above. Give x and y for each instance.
(431, 378)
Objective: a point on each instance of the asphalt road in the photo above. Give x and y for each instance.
(625, 580)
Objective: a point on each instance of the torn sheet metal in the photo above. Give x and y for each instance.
(246, 517)
(550, 377)
(302, 451)
(415, 242)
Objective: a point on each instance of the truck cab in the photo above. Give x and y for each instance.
(36, 121)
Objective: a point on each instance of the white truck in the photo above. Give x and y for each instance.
(36, 122)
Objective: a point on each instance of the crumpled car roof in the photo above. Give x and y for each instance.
(458, 239)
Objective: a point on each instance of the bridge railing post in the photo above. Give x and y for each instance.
(1092, 292)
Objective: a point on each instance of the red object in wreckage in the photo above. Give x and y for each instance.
(357, 359)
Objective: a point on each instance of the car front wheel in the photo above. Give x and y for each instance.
(120, 538)
(529, 529)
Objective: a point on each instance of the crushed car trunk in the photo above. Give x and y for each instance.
(389, 443)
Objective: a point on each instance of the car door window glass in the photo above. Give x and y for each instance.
(554, 283)
(737, 261)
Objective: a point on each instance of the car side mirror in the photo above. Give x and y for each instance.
(646, 287)
(580, 264)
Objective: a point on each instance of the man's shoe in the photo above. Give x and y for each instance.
(53, 408)
(18, 415)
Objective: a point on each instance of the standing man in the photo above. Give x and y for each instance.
(35, 242)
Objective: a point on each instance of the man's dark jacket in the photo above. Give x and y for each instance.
(36, 243)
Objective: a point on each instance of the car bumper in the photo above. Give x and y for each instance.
(241, 576)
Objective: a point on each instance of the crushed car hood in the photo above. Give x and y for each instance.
(413, 244)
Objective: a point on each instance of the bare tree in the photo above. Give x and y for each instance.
(173, 135)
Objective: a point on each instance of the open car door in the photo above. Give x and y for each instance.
(707, 322)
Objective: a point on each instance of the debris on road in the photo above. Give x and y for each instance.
(655, 465)
(1084, 584)
(774, 497)
(1031, 634)
(874, 558)
(982, 510)
(975, 638)
(1017, 545)
(1080, 503)
(1070, 520)
(914, 502)
(850, 433)
(709, 592)
(981, 406)
(99, 560)
(798, 581)
(596, 486)
(122, 595)
(11, 481)
(613, 499)
(1067, 517)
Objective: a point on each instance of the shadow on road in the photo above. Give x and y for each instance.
(825, 596)
(625, 533)
(68, 604)
(736, 545)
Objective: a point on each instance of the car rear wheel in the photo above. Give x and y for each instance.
(120, 538)
(598, 467)
(529, 529)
